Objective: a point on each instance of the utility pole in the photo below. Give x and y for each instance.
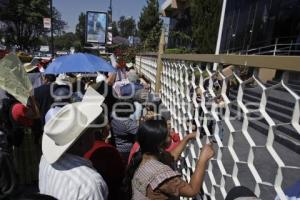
(51, 17)
(109, 28)
(220, 32)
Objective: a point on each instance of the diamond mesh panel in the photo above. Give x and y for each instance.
(256, 128)
(147, 66)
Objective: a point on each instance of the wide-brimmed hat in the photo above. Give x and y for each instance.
(132, 76)
(69, 123)
(129, 65)
(100, 78)
(29, 67)
(63, 79)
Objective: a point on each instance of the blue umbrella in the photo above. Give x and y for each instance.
(79, 63)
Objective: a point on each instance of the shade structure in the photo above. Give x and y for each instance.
(79, 63)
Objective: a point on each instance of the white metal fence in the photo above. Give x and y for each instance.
(148, 67)
(256, 126)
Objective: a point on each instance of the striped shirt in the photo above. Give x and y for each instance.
(124, 132)
(71, 178)
(152, 173)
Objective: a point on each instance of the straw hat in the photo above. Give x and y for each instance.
(69, 123)
(132, 76)
(63, 79)
(100, 78)
(29, 67)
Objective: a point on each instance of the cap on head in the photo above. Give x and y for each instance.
(19, 115)
(132, 76)
(62, 93)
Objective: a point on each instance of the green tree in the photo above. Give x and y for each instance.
(205, 16)
(66, 41)
(80, 30)
(24, 19)
(115, 31)
(150, 25)
(126, 26)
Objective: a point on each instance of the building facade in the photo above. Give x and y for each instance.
(261, 27)
(180, 26)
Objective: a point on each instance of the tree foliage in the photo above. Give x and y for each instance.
(24, 19)
(150, 25)
(205, 16)
(115, 31)
(80, 30)
(66, 41)
(127, 26)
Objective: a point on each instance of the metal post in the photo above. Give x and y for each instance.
(275, 47)
(159, 60)
(109, 32)
(220, 32)
(51, 17)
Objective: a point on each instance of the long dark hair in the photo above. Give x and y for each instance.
(151, 136)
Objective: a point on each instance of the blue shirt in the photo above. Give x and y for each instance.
(292, 192)
(130, 89)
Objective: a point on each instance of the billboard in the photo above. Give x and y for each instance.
(96, 27)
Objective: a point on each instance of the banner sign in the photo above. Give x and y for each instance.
(47, 22)
(96, 27)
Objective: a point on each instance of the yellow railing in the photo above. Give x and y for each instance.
(256, 125)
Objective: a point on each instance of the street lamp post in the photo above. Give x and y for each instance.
(51, 17)
(109, 33)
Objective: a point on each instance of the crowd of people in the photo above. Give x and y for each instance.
(101, 137)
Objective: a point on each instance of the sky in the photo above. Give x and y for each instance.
(70, 9)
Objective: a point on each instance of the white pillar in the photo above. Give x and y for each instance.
(220, 32)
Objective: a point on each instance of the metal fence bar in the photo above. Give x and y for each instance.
(291, 63)
(253, 138)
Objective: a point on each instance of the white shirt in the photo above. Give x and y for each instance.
(71, 178)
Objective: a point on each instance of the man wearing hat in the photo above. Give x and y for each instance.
(62, 96)
(133, 85)
(63, 172)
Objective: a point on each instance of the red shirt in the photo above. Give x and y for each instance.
(108, 162)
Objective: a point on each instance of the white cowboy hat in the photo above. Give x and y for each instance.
(132, 76)
(100, 78)
(129, 64)
(67, 125)
(63, 79)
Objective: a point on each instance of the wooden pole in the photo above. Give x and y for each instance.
(159, 60)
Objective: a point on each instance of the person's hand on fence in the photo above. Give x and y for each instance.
(191, 136)
(207, 152)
